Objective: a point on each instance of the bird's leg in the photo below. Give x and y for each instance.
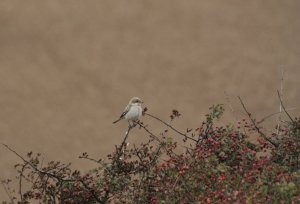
(132, 124)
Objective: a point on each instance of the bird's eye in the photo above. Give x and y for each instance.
(136, 101)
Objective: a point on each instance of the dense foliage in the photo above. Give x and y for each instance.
(209, 165)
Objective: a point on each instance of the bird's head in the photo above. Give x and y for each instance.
(136, 100)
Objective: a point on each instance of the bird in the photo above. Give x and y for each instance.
(133, 111)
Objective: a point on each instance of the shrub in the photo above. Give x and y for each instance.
(210, 165)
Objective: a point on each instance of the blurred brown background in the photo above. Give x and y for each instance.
(68, 68)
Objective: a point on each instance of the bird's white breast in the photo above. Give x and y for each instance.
(134, 112)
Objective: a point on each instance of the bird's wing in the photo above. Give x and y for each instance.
(125, 111)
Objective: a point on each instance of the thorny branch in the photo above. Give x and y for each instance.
(255, 125)
(168, 125)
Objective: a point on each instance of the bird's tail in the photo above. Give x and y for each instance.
(117, 120)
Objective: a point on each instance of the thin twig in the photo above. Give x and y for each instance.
(155, 137)
(180, 133)
(175, 183)
(7, 192)
(91, 159)
(272, 114)
(148, 131)
(280, 105)
(20, 181)
(284, 107)
(123, 144)
(230, 106)
(255, 126)
(140, 185)
(30, 164)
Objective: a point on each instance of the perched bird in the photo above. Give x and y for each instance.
(133, 110)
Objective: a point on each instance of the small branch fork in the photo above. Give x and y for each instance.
(255, 125)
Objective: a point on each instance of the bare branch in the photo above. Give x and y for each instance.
(280, 105)
(272, 114)
(20, 181)
(155, 137)
(148, 131)
(125, 138)
(30, 164)
(284, 107)
(255, 126)
(168, 125)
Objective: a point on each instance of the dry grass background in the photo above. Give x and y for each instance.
(68, 68)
